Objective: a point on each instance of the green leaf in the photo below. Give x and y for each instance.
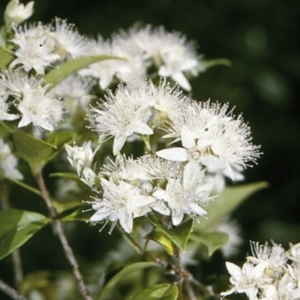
(67, 175)
(64, 206)
(212, 240)
(228, 200)
(16, 227)
(36, 152)
(162, 239)
(79, 215)
(70, 67)
(178, 235)
(163, 291)
(106, 291)
(5, 58)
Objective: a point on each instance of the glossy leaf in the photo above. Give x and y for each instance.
(122, 274)
(36, 152)
(16, 227)
(70, 67)
(163, 291)
(5, 58)
(161, 239)
(226, 203)
(67, 175)
(212, 240)
(178, 235)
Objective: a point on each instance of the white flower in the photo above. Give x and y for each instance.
(120, 116)
(210, 136)
(32, 100)
(35, 48)
(233, 231)
(248, 279)
(80, 157)
(275, 256)
(170, 52)
(183, 201)
(8, 162)
(69, 43)
(121, 202)
(16, 13)
(129, 68)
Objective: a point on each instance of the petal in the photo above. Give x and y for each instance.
(181, 80)
(212, 162)
(187, 138)
(100, 215)
(142, 128)
(173, 154)
(198, 209)
(126, 221)
(119, 142)
(190, 174)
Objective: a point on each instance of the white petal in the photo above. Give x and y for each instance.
(234, 270)
(212, 162)
(126, 222)
(198, 209)
(190, 174)
(142, 128)
(187, 138)
(119, 142)
(181, 80)
(173, 154)
(176, 219)
(99, 215)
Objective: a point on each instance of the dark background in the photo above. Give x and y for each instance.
(261, 38)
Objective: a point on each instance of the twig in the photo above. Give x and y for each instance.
(179, 274)
(10, 291)
(60, 232)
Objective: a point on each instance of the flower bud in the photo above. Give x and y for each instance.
(16, 13)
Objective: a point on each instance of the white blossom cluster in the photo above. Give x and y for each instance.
(172, 180)
(271, 273)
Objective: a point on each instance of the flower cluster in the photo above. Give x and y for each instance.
(173, 180)
(271, 273)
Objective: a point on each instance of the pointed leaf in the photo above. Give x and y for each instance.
(36, 152)
(178, 235)
(161, 239)
(5, 58)
(228, 200)
(70, 67)
(212, 240)
(163, 291)
(123, 273)
(16, 227)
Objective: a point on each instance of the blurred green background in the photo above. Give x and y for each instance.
(261, 38)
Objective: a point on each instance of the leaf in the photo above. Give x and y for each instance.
(5, 58)
(79, 215)
(64, 206)
(230, 198)
(67, 175)
(161, 239)
(106, 291)
(16, 227)
(36, 152)
(178, 235)
(70, 67)
(163, 291)
(212, 240)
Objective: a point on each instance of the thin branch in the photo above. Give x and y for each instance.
(62, 237)
(179, 274)
(10, 291)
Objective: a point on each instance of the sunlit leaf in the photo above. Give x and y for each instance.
(228, 200)
(66, 175)
(70, 67)
(36, 152)
(16, 227)
(111, 285)
(212, 240)
(163, 291)
(5, 58)
(178, 235)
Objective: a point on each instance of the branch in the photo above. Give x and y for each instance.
(62, 237)
(10, 291)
